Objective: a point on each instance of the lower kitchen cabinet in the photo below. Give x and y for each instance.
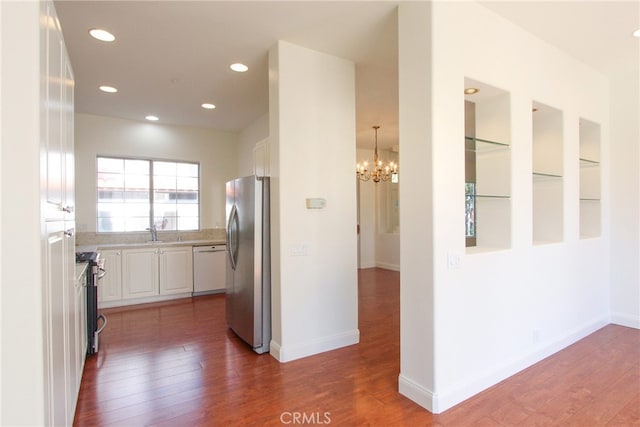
(110, 286)
(176, 270)
(80, 321)
(145, 274)
(140, 273)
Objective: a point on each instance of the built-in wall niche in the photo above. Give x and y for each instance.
(547, 177)
(487, 167)
(590, 209)
(387, 198)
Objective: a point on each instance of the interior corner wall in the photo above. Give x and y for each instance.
(625, 197)
(417, 328)
(215, 151)
(499, 311)
(314, 253)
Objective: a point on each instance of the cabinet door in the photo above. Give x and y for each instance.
(55, 327)
(81, 326)
(110, 286)
(68, 156)
(139, 273)
(176, 270)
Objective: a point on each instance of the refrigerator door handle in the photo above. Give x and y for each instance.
(232, 236)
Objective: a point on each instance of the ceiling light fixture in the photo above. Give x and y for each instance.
(381, 171)
(636, 33)
(152, 118)
(208, 106)
(239, 68)
(471, 90)
(102, 35)
(108, 89)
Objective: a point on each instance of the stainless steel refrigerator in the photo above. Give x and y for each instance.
(248, 271)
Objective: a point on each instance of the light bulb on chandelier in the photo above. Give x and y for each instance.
(381, 171)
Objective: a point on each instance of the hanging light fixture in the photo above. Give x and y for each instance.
(381, 171)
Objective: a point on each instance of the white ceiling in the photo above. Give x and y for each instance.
(171, 56)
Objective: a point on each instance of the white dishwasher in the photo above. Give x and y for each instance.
(209, 264)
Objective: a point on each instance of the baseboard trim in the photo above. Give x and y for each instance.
(420, 395)
(441, 401)
(461, 392)
(628, 320)
(316, 346)
(388, 266)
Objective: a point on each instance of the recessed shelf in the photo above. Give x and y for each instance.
(590, 179)
(485, 145)
(541, 176)
(588, 163)
(489, 196)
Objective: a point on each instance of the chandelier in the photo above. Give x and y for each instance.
(381, 171)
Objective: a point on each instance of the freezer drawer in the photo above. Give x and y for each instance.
(209, 269)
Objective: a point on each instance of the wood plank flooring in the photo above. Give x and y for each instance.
(176, 364)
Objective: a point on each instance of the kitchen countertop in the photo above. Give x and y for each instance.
(160, 243)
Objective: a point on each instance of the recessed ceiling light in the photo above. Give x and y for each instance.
(152, 118)
(471, 90)
(102, 35)
(108, 89)
(208, 106)
(636, 33)
(240, 68)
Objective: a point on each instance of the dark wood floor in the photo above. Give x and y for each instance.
(176, 364)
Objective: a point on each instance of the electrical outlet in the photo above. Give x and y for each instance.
(299, 250)
(454, 259)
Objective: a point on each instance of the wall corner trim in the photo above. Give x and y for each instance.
(309, 348)
(419, 394)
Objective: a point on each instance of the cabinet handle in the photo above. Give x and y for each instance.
(67, 209)
(68, 233)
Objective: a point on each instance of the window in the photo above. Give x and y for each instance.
(134, 194)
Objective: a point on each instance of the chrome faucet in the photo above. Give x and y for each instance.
(154, 233)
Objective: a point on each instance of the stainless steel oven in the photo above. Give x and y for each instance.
(96, 322)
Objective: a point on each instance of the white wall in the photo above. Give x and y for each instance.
(252, 134)
(417, 329)
(314, 265)
(98, 135)
(21, 284)
(497, 312)
(625, 197)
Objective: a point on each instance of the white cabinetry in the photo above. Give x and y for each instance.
(110, 286)
(146, 274)
(140, 273)
(80, 322)
(261, 159)
(176, 270)
(55, 327)
(64, 321)
(39, 354)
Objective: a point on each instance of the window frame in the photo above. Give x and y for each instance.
(151, 201)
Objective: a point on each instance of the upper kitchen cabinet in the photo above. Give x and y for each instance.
(57, 129)
(487, 144)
